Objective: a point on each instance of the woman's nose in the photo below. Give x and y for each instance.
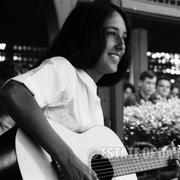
(120, 44)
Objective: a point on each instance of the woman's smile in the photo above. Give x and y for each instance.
(115, 34)
(115, 58)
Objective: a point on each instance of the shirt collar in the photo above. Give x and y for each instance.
(87, 79)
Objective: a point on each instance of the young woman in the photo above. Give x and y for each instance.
(63, 88)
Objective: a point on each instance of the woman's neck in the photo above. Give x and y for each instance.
(94, 75)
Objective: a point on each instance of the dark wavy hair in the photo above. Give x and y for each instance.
(82, 40)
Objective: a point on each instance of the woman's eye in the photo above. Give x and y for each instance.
(116, 36)
(110, 33)
(124, 38)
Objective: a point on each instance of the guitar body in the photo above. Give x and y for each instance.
(35, 163)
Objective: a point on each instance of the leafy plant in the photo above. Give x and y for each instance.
(156, 123)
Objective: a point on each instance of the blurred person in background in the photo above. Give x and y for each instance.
(175, 91)
(163, 87)
(146, 90)
(129, 94)
(147, 86)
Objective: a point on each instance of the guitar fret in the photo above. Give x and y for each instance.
(119, 162)
(131, 165)
(123, 163)
(140, 162)
(134, 161)
(143, 165)
(151, 163)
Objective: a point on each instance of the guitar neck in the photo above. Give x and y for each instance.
(133, 163)
(141, 162)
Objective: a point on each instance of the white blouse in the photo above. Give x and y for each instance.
(66, 94)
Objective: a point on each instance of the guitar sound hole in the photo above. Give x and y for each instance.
(102, 166)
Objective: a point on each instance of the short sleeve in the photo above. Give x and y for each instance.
(48, 80)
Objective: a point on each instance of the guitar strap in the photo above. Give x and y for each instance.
(9, 168)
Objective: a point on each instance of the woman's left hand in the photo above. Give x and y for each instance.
(173, 170)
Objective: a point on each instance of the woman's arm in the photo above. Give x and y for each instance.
(23, 108)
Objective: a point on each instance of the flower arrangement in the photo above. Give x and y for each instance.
(155, 123)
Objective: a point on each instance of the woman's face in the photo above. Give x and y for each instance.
(116, 33)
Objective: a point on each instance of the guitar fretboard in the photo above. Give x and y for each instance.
(134, 163)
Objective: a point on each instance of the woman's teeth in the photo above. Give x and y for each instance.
(115, 57)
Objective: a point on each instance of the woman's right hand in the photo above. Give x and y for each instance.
(74, 168)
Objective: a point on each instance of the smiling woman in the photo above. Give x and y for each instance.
(116, 33)
(63, 86)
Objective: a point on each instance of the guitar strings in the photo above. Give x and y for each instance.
(123, 171)
(136, 156)
(109, 172)
(104, 172)
(103, 163)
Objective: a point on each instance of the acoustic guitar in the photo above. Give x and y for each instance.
(98, 147)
